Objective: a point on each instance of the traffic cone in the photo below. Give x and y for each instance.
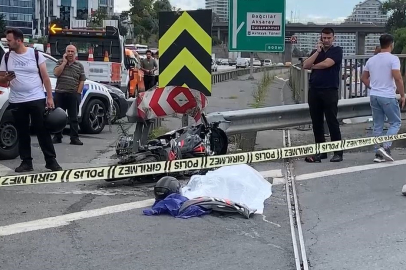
(90, 57)
(48, 48)
(106, 57)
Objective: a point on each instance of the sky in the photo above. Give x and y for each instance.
(303, 10)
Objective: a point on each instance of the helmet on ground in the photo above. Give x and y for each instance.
(55, 120)
(165, 186)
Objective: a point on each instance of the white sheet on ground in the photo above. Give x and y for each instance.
(237, 183)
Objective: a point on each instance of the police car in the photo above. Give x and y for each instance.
(95, 110)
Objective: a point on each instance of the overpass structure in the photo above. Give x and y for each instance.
(220, 29)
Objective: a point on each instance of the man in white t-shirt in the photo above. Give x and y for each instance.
(27, 98)
(382, 75)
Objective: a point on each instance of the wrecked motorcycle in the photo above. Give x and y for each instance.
(205, 139)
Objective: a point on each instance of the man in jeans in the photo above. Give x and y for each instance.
(382, 75)
(325, 63)
(71, 77)
(27, 79)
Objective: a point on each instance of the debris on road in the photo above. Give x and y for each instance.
(233, 189)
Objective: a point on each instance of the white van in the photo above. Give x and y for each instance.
(267, 62)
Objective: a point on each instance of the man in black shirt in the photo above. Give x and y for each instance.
(325, 63)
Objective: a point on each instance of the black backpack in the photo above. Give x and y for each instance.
(7, 55)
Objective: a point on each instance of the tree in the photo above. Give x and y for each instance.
(162, 5)
(400, 44)
(123, 30)
(98, 17)
(296, 52)
(397, 11)
(215, 41)
(2, 25)
(140, 13)
(159, 6)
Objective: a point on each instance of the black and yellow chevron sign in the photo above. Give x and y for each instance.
(185, 49)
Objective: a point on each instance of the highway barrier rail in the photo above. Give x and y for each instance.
(254, 120)
(350, 84)
(233, 74)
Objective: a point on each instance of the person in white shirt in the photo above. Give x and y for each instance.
(27, 99)
(382, 75)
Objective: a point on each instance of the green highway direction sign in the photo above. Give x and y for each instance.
(256, 25)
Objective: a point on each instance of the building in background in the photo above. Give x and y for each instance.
(366, 12)
(67, 10)
(19, 14)
(220, 7)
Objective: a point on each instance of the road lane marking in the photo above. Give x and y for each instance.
(271, 173)
(63, 220)
(353, 169)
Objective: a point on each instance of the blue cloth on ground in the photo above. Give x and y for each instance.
(171, 205)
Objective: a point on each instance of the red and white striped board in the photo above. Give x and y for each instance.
(168, 100)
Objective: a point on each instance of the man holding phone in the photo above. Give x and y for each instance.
(27, 99)
(325, 63)
(68, 91)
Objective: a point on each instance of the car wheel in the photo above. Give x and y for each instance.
(94, 117)
(116, 112)
(8, 137)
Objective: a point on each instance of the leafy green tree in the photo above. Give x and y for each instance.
(2, 25)
(400, 41)
(159, 6)
(98, 17)
(123, 30)
(141, 17)
(215, 41)
(397, 14)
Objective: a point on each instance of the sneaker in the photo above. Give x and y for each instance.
(378, 158)
(53, 166)
(404, 190)
(385, 153)
(25, 166)
(76, 141)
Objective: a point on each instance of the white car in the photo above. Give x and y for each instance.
(242, 63)
(95, 109)
(256, 63)
(267, 62)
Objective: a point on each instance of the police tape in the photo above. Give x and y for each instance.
(207, 162)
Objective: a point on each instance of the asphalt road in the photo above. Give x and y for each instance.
(353, 218)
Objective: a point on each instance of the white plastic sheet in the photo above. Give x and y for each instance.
(237, 183)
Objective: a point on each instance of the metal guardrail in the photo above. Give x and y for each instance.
(254, 120)
(233, 74)
(350, 74)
